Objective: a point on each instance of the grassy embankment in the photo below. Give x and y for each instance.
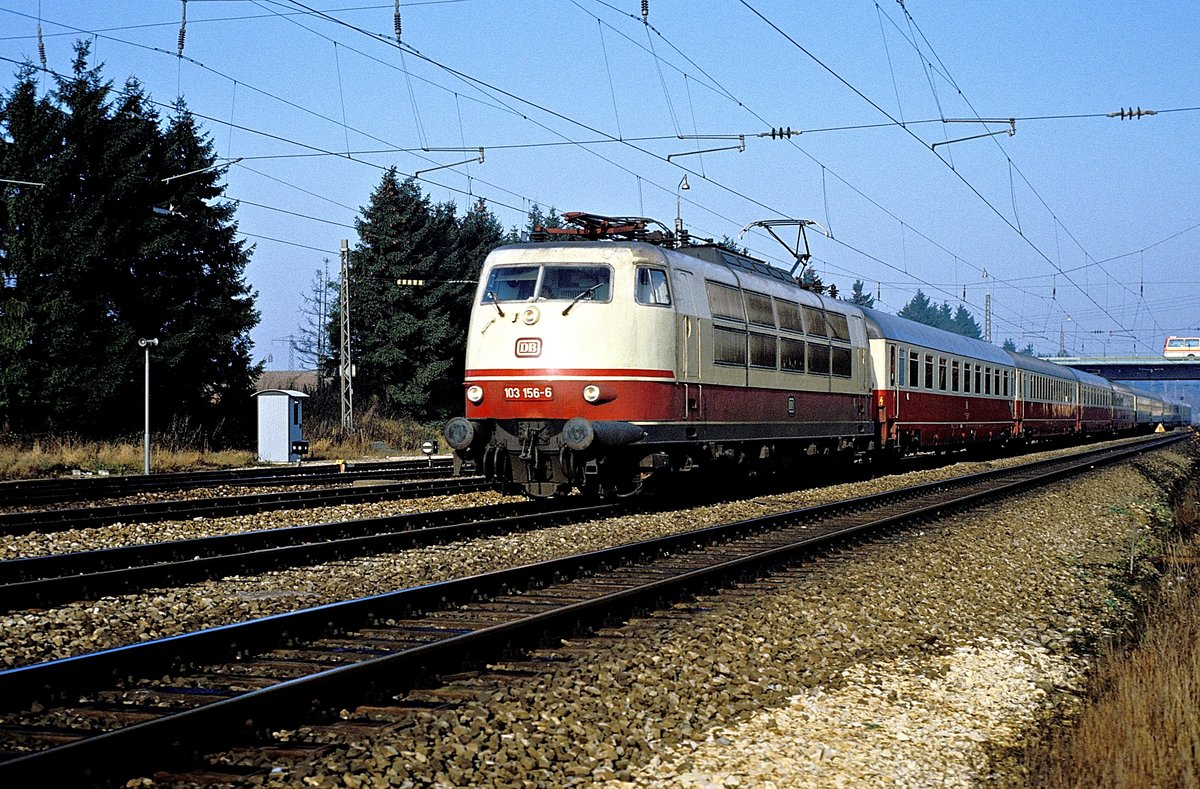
(1141, 726)
(373, 437)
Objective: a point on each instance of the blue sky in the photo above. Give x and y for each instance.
(1086, 227)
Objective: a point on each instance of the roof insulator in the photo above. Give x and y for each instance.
(182, 30)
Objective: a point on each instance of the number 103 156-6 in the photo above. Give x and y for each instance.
(528, 393)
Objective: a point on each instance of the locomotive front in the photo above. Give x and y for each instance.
(570, 361)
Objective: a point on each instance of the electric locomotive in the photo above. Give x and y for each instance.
(599, 364)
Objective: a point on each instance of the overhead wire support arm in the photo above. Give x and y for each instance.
(802, 258)
(1010, 131)
(478, 158)
(740, 147)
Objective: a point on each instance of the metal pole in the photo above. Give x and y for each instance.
(345, 367)
(147, 345)
(146, 464)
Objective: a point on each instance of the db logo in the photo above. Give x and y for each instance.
(528, 346)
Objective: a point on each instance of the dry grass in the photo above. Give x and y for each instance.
(1142, 728)
(374, 437)
(55, 456)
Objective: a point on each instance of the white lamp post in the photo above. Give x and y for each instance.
(683, 184)
(147, 344)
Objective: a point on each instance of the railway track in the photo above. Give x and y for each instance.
(14, 523)
(68, 719)
(40, 492)
(52, 580)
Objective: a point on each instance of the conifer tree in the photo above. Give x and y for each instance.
(89, 267)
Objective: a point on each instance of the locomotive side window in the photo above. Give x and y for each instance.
(762, 350)
(791, 355)
(759, 310)
(818, 358)
(724, 301)
(788, 313)
(914, 369)
(511, 283)
(729, 346)
(814, 321)
(652, 287)
(575, 282)
(839, 329)
(840, 361)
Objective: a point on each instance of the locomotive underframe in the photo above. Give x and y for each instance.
(535, 457)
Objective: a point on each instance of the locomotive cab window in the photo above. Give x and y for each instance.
(552, 283)
(652, 287)
(567, 283)
(511, 283)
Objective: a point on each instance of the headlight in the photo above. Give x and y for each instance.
(591, 393)
(475, 394)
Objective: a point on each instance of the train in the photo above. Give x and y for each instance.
(608, 354)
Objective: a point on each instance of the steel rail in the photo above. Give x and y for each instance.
(27, 492)
(15, 523)
(689, 562)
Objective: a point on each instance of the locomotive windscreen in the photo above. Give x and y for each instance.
(551, 283)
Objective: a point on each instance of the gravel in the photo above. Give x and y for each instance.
(918, 663)
(972, 630)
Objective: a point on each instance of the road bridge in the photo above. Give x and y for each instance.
(1134, 368)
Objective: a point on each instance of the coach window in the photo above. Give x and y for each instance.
(978, 377)
(729, 346)
(758, 309)
(791, 355)
(901, 365)
(954, 375)
(762, 350)
(914, 369)
(942, 373)
(652, 287)
(966, 376)
(996, 379)
(987, 380)
(928, 371)
(1006, 376)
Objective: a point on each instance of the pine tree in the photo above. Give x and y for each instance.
(859, 297)
(1009, 345)
(402, 337)
(91, 267)
(920, 309)
(965, 324)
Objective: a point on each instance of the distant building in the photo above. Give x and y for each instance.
(299, 380)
